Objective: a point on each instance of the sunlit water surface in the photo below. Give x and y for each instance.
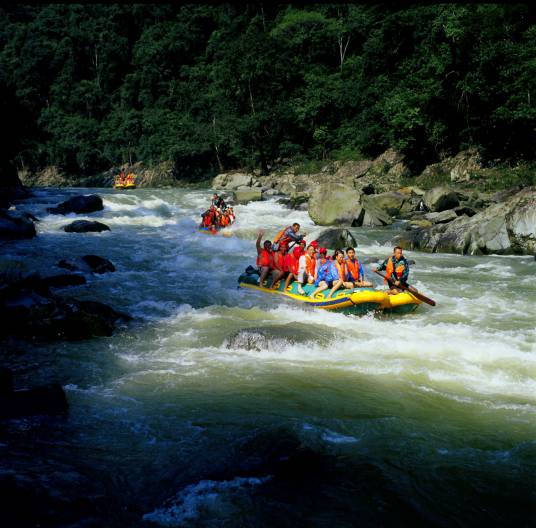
(427, 418)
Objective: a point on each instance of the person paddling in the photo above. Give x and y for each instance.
(288, 235)
(396, 270)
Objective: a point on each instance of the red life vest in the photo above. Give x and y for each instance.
(207, 220)
(353, 268)
(310, 265)
(390, 268)
(292, 263)
(264, 258)
(278, 261)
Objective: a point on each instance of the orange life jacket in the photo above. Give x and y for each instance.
(310, 265)
(390, 268)
(280, 235)
(353, 268)
(264, 258)
(341, 268)
(224, 220)
(292, 263)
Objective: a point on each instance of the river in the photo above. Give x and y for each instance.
(416, 420)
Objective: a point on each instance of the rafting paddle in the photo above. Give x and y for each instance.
(411, 290)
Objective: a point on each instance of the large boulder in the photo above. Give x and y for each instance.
(503, 228)
(85, 226)
(440, 199)
(521, 222)
(79, 205)
(390, 202)
(441, 218)
(47, 399)
(370, 215)
(15, 225)
(464, 165)
(334, 204)
(88, 264)
(245, 195)
(336, 239)
(42, 316)
(232, 180)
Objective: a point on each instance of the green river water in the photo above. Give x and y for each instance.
(427, 419)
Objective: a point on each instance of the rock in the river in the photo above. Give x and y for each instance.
(81, 204)
(48, 399)
(336, 239)
(232, 180)
(465, 210)
(370, 215)
(503, 228)
(390, 202)
(440, 199)
(85, 226)
(441, 218)
(15, 225)
(246, 195)
(64, 280)
(334, 204)
(88, 264)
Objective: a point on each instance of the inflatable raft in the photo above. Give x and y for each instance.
(357, 301)
(126, 186)
(212, 231)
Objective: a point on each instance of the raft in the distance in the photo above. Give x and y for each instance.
(357, 301)
(125, 186)
(211, 231)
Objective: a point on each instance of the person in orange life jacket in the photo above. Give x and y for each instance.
(208, 217)
(293, 263)
(396, 270)
(334, 276)
(355, 271)
(264, 257)
(279, 267)
(289, 235)
(306, 268)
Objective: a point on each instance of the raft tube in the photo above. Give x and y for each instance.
(356, 301)
(209, 231)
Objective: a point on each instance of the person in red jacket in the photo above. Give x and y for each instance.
(264, 257)
(279, 265)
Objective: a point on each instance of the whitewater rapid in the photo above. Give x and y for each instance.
(453, 385)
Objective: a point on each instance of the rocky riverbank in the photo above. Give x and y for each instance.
(451, 217)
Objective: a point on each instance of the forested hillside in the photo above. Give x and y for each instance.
(215, 87)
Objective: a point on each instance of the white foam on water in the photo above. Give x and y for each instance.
(208, 497)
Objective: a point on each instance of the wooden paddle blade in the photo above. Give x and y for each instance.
(410, 289)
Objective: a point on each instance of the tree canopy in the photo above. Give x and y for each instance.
(215, 87)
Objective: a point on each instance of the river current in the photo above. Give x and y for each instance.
(331, 420)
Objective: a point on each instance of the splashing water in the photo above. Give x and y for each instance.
(437, 409)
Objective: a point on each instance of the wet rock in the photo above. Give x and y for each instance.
(85, 226)
(440, 199)
(48, 399)
(275, 337)
(334, 204)
(503, 228)
(244, 196)
(30, 311)
(464, 166)
(441, 218)
(413, 224)
(15, 225)
(98, 264)
(79, 204)
(336, 239)
(64, 280)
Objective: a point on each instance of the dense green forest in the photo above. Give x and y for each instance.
(214, 87)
